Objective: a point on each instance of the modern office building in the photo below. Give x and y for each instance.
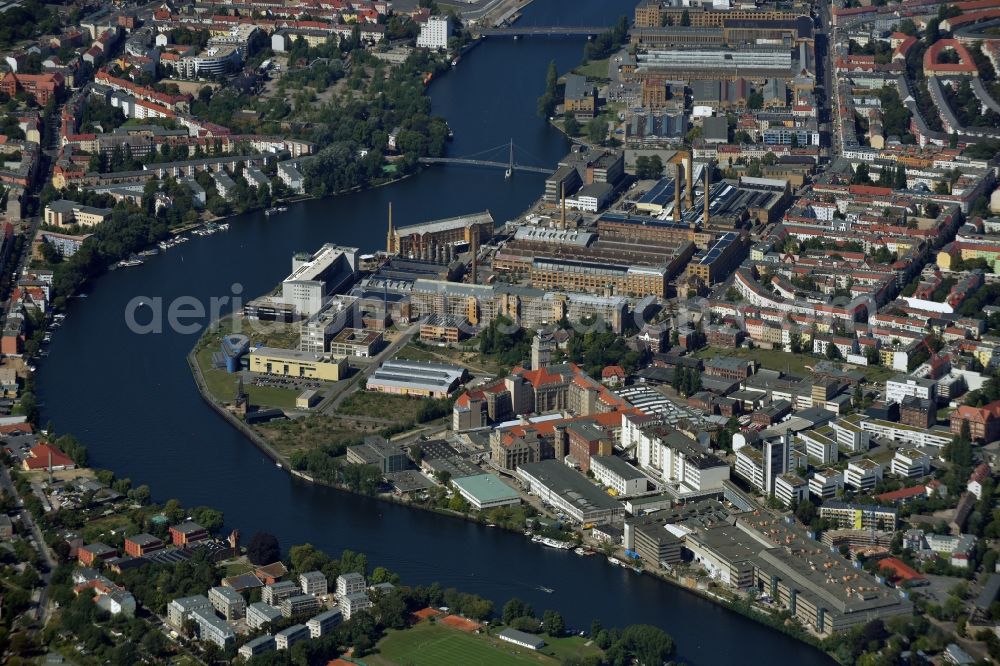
(317, 276)
(863, 474)
(297, 364)
(909, 463)
(617, 475)
(824, 483)
(790, 489)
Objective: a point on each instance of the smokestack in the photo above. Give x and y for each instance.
(562, 195)
(689, 181)
(389, 237)
(708, 186)
(474, 245)
(677, 192)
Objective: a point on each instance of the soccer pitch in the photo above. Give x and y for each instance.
(430, 644)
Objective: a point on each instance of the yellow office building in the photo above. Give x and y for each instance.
(294, 363)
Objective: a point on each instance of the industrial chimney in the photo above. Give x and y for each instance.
(677, 193)
(708, 187)
(474, 246)
(689, 181)
(562, 196)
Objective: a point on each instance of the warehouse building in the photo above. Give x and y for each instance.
(569, 491)
(417, 378)
(315, 277)
(485, 491)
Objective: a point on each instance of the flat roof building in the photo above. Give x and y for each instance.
(417, 378)
(295, 363)
(569, 491)
(485, 491)
(315, 277)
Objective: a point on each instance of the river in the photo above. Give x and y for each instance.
(131, 400)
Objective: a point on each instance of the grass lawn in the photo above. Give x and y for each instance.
(100, 529)
(308, 433)
(399, 408)
(237, 568)
(595, 69)
(799, 364)
(431, 644)
(271, 396)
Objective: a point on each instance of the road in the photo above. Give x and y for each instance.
(332, 403)
(43, 612)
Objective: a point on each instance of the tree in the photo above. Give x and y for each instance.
(833, 352)
(307, 557)
(597, 130)
(547, 102)
(861, 175)
(806, 512)
(553, 624)
(263, 549)
(515, 608)
(571, 124)
(686, 19)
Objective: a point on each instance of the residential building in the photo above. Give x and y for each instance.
(313, 582)
(352, 604)
(434, 33)
(211, 628)
(286, 638)
(260, 614)
(937, 436)
(350, 583)
(275, 593)
(65, 213)
(321, 624)
(257, 646)
(299, 604)
(228, 602)
(859, 516)
(917, 412)
(976, 479)
(179, 610)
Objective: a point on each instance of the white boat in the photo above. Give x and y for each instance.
(579, 551)
(552, 543)
(614, 561)
(224, 227)
(278, 465)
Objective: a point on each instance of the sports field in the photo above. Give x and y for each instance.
(433, 644)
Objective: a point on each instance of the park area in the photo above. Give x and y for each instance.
(431, 643)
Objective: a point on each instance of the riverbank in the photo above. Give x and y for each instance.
(689, 584)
